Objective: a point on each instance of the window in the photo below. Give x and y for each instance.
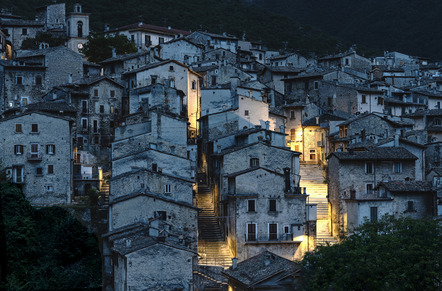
(316, 85)
(343, 131)
(19, 80)
(17, 174)
(80, 29)
(286, 229)
(246, 112)
(292, 134)
(24, 101)
(24, 31)
(254, 162)
(96, 139)
(161, 40)
(18, 149)
(39, 171)
(380, 101)
(101, 108)
(162, 215)
(95, 92)
(49, 188)
(373, 214)
(153, 79)
(273, 231)
(50, 149)
(38, 80)
(410, 206)
(147, 40)
(251, 232)
(83, 106)
(167, 188)
(132, 38)
(171, 68)
(18, 128)
(292, 114)
(369, 168)
(84, 123)
(34, 127)
(172, 82)
(369, 189)
(95, 126)
(251, 205)
(50, 169)
(112, 93)
(272, 205)
(397, 167)
(364, 99)
(154, 167)
(194, 85)
(213, 80)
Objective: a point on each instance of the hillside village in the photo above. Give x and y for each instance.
(211, 152)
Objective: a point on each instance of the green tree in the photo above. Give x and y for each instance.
(99, 47)
(391, 254)
(33, 43)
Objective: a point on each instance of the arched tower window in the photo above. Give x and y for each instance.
(80, 28)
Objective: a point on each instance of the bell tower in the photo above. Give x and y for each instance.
(77, 26)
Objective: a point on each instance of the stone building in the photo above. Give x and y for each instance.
(63, 65)
(147, 35)
(175, 75)
(115, 66)
(355, 175)
(17, 29)
(36, 149)
(182, 50)
(129, 247)
(214, 41)
(266, 270)
(22, 84)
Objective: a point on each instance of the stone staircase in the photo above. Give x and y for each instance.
(104, 192)
(211, 243)
(312, 178)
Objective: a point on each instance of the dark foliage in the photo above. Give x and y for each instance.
(33, 43)
(99, 47)
(46, 249)
(391, 254)
(411, 26)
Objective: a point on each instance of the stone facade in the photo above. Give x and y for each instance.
(37, 155)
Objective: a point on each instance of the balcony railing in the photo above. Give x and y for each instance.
(34, 157)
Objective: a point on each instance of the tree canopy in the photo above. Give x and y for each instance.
(44, 249)
(99, 47)
(391, 254)
(42, 37)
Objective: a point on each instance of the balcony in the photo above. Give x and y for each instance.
(34, 157)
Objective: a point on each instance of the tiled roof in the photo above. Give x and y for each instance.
(51, 107)
(407, 186)
(152, 28)
(376, 154)
(284, 69)
(421, 113)
(124, 57)
(322, 118)
(261, 267)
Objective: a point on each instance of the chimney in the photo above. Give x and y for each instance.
(396, 140)
(234, 83)
(317, 120)
(287, 187)
(282, 129)
(234, 263)
(267, 125)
